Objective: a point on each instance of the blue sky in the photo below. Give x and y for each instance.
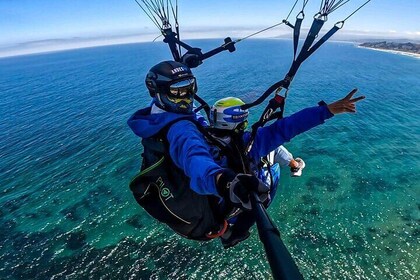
(35, 20)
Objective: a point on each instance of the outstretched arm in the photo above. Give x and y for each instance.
(270, 137)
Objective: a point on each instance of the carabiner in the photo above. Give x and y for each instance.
(319, 16)
(339, 24)
(300, 13)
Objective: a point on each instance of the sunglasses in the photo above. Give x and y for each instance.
(184, 88)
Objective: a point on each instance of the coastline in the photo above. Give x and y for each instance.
(415, 55)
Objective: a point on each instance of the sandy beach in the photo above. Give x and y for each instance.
(416, 55)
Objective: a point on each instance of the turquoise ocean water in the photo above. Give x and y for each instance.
(67, 157)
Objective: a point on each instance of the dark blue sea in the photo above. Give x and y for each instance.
(67, 156)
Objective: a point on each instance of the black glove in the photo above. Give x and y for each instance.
(237, 188)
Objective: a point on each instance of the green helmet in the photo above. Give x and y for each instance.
(227, 114)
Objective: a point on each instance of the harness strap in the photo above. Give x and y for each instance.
(308, 48)
(296, 34)
(277, 102)
(313, 33)
(203, 105)
(265, 160)
(322, 40)
(280, 84)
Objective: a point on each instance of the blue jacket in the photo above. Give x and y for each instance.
(269, 137)
(190, 151)
(187, 146)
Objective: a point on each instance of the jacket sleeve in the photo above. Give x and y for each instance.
(270, 137)
(190, 152)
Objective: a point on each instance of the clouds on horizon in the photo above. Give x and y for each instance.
(58, 44)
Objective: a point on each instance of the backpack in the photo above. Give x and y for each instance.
(163, 190)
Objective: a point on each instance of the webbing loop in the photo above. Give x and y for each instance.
(222, 231)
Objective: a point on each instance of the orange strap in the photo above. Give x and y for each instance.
(219, 233)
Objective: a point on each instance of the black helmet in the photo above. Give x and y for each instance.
(173, 86)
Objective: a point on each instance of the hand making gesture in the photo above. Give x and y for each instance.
(345, 105)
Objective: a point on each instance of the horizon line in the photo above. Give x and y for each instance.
(66, 44)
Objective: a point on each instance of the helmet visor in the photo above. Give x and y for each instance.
(183, 89)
